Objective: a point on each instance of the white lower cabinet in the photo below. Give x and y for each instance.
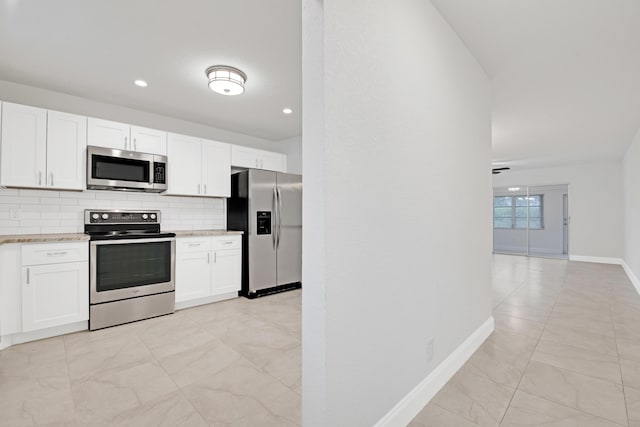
(54, 295)
(55, 284)
(207, 267)
(44, 290)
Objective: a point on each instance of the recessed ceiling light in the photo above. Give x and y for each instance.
(141, 83)
(226, 80)
(287, 110)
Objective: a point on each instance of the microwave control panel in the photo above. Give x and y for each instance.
(159, 172)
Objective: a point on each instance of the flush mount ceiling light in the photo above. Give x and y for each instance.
(141, 83)
(226, 80)
(287, 111)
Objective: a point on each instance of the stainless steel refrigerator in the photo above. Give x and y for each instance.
(267, 206)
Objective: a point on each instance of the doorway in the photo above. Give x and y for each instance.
(531, 220)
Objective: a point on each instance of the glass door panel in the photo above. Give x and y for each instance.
(547, 220)
(510, 220)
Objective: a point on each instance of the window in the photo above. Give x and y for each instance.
(511, 212)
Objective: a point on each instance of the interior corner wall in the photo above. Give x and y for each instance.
(394, 256)
(595, 203)
(43, 98)
(631, 170)
(293, 147)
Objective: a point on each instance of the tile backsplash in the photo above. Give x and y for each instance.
(43, 211)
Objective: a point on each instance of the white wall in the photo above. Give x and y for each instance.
(24, 211)
(294, 154)
(396, 127)
(595, 203)
(632, 208)
(546, 241)
(29, 95)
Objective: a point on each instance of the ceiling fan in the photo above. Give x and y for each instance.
(496, 171)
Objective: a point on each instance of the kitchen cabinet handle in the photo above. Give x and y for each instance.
(195, 244)
(125, 142)
(28, 275)
(135, 144)
(227, 242)
(57, 253)
(215, 257)
(198, 188)
(39, 177)
(205, 189)
(52, 179)
(208, 257)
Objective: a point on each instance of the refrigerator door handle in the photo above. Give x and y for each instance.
(274, 208)
(279, 216)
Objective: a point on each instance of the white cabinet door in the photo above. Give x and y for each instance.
(227, 271)
(216, 169)
(193, 275)
(184, 165)
(147, 140)
(273, 161)
(54, 295)
(66, 151)
(104, 133)
(244, 157)
(10, 290)
(23, 152)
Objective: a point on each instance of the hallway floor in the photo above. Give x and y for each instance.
(565, 351)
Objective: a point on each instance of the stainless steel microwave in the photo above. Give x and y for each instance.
(111, 169)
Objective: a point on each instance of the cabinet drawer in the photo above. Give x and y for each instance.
(193, 244)
(54, 253)
(230, 242)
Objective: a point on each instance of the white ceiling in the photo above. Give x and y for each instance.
(565, 75)
(96, 49)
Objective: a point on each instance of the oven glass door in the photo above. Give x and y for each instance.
(122, 269)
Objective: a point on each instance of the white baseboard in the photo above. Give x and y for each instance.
(206, 300)
(634, 279)
(22, 337)
(410, 405)
(596, 259)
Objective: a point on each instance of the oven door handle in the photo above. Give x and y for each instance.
(126, 241)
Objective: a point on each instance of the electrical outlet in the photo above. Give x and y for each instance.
(14, 214)
(430, 350)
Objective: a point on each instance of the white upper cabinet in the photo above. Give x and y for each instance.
(121, 136)
(23, 154)
(184, 165)
(245, 157)
(147, 140)
(198, 167)
(216, 169)
(66, 151)
(42, 149)
(104, 133)
(273, 161)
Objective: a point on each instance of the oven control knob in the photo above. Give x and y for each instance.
(153, 216)
(145, 216)
(95, 216)
(105, 216)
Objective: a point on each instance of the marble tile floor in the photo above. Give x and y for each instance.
(565, 351)
(232, 363)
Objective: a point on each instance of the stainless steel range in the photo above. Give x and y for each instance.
(131, 267)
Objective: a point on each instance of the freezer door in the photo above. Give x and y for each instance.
(289, 228)
(262, 239)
